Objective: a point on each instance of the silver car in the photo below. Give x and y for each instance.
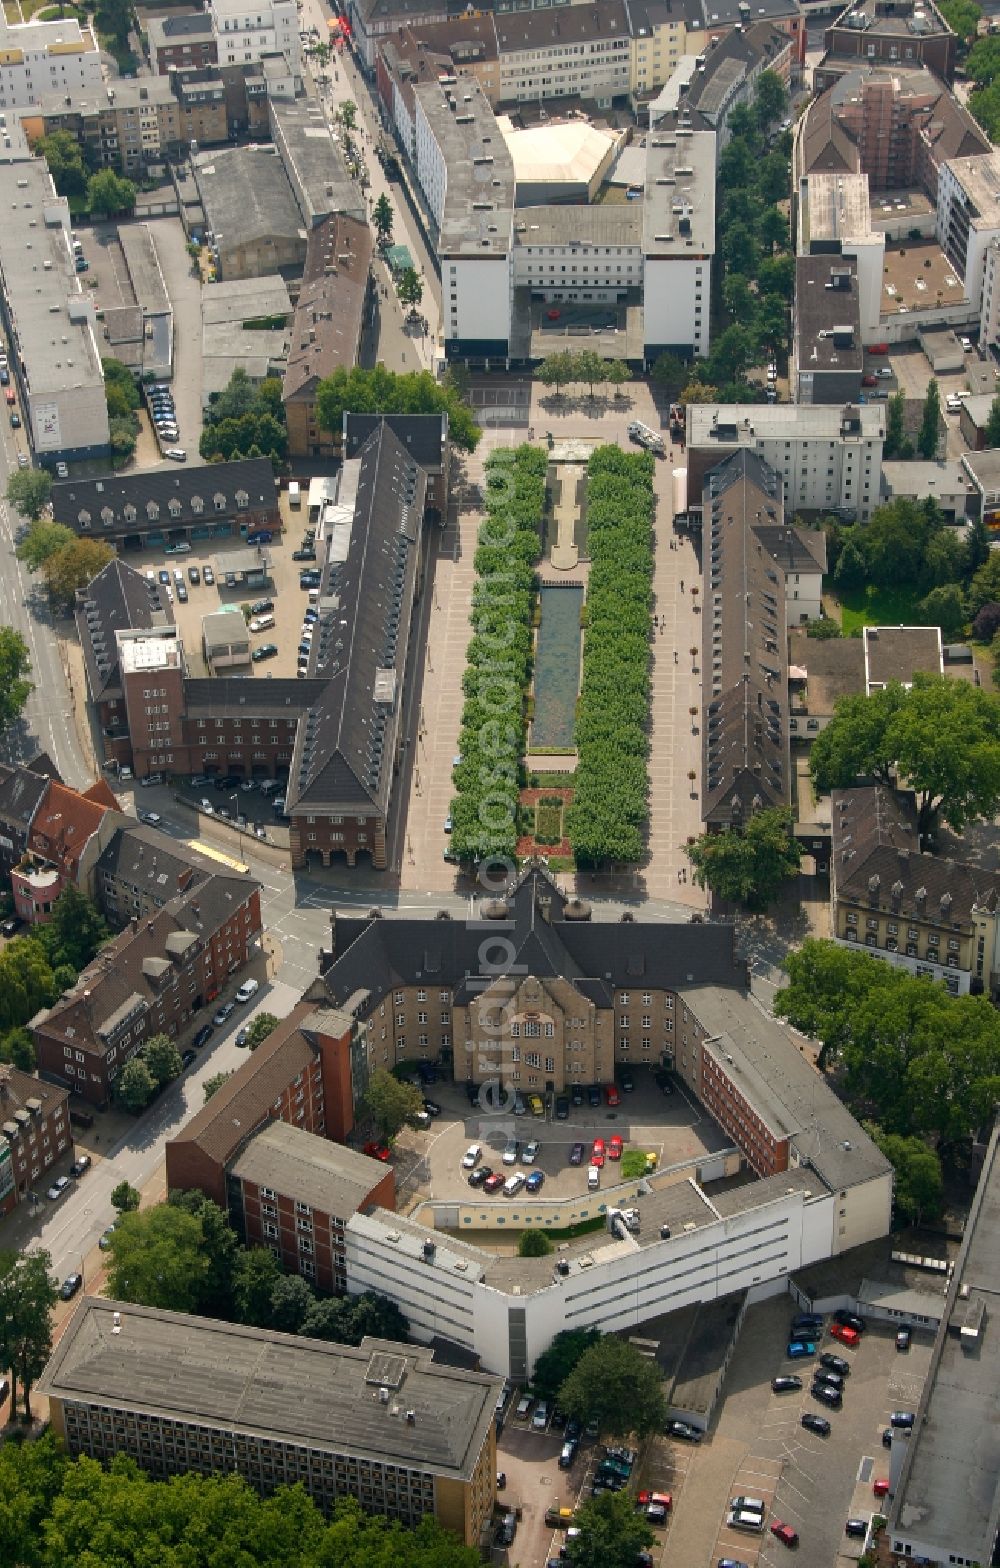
(510, 1152)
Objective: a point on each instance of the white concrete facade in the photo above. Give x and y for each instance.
(455, 1291)
(432, 171)
(244, 34)
(39, 58)
(676, 294)
(574, 269)
(480, 302)
(600, 70)
(968, 217)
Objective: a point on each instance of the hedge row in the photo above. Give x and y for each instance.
(608, 816)
(499, 656)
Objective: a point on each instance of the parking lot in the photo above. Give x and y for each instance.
(760, 1449)
(290, 601)
(674, 1128)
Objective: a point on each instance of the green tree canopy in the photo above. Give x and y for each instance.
(380, 391)
(410, 289)
(992, 431)
(770, 99)
(27, 1296)
(748, 865)
(75, 931)
(930, 423)
(43, 539)
(256, 1274)
(15, 666)
(918, 1184)
(125, 1198)
(163, 1059)
(135, 1085)
(75, 566)
(555, 1364)
(214, 1084)
(62, 153)
(391, 1104)
(157, 1258)
(612, 1533)
(28, 491)
(533, 1244)
(109, 194)
(382, 219)
(616, 1386)
(942, 737)
(259, 1028)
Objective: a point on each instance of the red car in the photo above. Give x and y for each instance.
(880, 1488)
(611, 1094)
(597, 1152)
(847, 1336)
(664, 1499)
(493, 1183)
(869, 381)
(614, 1147)
(879, 348)
(378, 1151)
(786, 1535)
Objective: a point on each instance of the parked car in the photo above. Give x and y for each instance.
(267, 650)
(615, 1146)
(847, 1336)
(194, 576)
(799, 1348)
(850, 1320)
(684, 1430)
(903, 1337)
(785, 1385)
(902, 1419)
(223, 1013)
(576, 1154)
(493, 1183)
(594, 1095)
(529, 1153)
(597, 1153)
(208, 575)
(835, 1363)
(80, 1165)
(562, 1108)
(535, 1181)
(611, 1094)
(813, 1423)
(303, 555)
(784, 1533)
(831, 1379)
(188, 1057)
(203, 1036)
(472, 1156)
(104, 1240)
(69, 1287)
(480, 1176)
(57, 1189)
(262, 607)
(856, 1527)
(568, 1454)
(510, 1152)
(540, 1419)
(183, 548)
(827, 1396)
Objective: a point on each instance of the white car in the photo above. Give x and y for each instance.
(510, 1152)
(472, 1156)
(58, 1188)
(530, 1152)
(62, 472)
(248, 990)
(966, 344)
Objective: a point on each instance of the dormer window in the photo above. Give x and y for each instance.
(197, 504)
(175, 507)
(107, 516)
(219, 501)
(130, 513)
(83, 518)
(242, 500)
(152, 511)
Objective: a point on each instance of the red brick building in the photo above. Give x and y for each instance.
(152, 979)
(68, 833)
(34, 1133)
(302, 1074)
(294, 1192)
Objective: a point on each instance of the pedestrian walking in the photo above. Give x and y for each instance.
(675, 655)
(682, 585)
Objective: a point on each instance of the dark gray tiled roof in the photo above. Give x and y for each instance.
(596, 956)
(154, 862)
(744, 654)
(252, 476)
(116, 599)
(425, 436)
(237, 697)
(345, 749)
(21, 793)
(877, 863)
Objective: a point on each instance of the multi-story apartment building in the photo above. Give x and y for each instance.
(181, 42)
(383, 1423)
(926, 913)
(34, 1133)
(827, 355)
(151, 979)
(944, 1499)
(574, 998)
(678, 241)
(244, 33)
(23, 786)
(663, 32)
(968, 222)
(49, 323)
(467, 177)
(37, 58)
(897, 33)
(141, 869)
(828, 459)
(169, 506)
(707, 87)
(575, 51)
(294, 1192)
(579, 253)
(759, 575)
(330, 314)
(118, 599)
(133, 124)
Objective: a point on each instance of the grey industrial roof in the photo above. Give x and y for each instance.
(948, 1496)
(313, 161)
(246, 195)
(233, 695)
(983, 469)
(828, 315)
(758, 1054)
(479, 198)
(375, 954)
(328, 1176)
(245, 299)
(250, 476)
(896, 17)
(678, 212)
(897, 653)
(345, 751)
(164, 29)
(604, 224)
(277, 1386)
(225, 628)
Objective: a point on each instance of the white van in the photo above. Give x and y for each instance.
(593, 1178)
(314, 596)
(294, 493)
(753, 1524)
